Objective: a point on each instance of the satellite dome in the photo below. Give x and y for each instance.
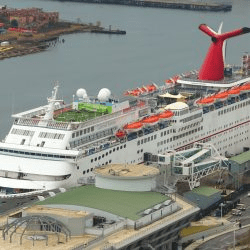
(104, 94)
(81, 93)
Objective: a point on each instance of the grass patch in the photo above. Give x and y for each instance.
(194, 229)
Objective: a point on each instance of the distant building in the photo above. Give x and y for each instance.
(34, 18)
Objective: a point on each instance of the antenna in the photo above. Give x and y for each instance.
(213, 66)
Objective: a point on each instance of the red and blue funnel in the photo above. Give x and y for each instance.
(212, 68)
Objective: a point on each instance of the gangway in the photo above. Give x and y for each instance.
(183, 166)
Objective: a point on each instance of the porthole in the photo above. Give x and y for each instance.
(77, 167)
(113, 149)
(110, 151)
(120, 147)
(117, 148)
(99, 157)
(96, 159)
(91, 160)
(109, 161)
(125, 146)
(107, 153)
(83, 172)
(87, 170)
(102, 156)
(91, 169)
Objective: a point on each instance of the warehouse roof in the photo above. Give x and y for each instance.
(241, 158)
(121, 203)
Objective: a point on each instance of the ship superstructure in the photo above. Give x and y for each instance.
(60, 145)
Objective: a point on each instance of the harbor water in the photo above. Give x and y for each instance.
(159, 43)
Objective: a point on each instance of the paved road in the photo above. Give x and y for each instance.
(245, 218)
(223, 241)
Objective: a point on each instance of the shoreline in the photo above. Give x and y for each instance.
(20, 44)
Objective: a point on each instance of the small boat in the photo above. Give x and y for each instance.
(245, 88)
(205, 101)
(221, 96)
(165, 115)
(234, 91)
(151, 88)
(120, 134)
(151, 120)
(133, 127)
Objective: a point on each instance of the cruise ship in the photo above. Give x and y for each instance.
(59, 145)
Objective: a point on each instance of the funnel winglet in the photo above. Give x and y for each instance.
(213, 65)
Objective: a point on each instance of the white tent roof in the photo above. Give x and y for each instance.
(172, 96)
(177, 106)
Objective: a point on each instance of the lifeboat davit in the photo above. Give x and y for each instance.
(221, 96)
(165, 115)
(206, 101)
(151, 120)
(132, 127)
(120, 134)
(234, 91)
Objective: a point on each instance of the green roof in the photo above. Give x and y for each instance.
(241, 158)
(122, 203)
(206, 191)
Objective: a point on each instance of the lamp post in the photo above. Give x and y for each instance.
(221, 211)
(234, 236)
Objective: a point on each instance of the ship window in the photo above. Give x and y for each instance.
(138, 143)
(99, 157)
(84, 131)
(142, 141)
(42, 144)
(154, 136)
(117, 148)
(23, 141)
(83, 172)
(92, 128)
(113, 149)
(120, 147)
(73, 135)
(96, 159)
(109, 161)
(110, 151)
(81, 132)
(91, 160)
(125, 146)
(77, 133)
(107, 153)
(148, 138)
(91, 169)
(145, 140)
(88, 130)
(87, 170)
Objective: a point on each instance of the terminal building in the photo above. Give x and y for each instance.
(131, 215)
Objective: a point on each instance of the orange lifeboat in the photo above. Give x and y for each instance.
(165, 115)
(245, 88)
(151, 120)
(206, 101)
(222, 96)
(133, 126)
(151, 88)
(234, 91)
(120, 134)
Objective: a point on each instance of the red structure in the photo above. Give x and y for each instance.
(213, 65)
(31, 18)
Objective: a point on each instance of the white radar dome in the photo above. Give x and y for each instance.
(104, 94)
(81, 93)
